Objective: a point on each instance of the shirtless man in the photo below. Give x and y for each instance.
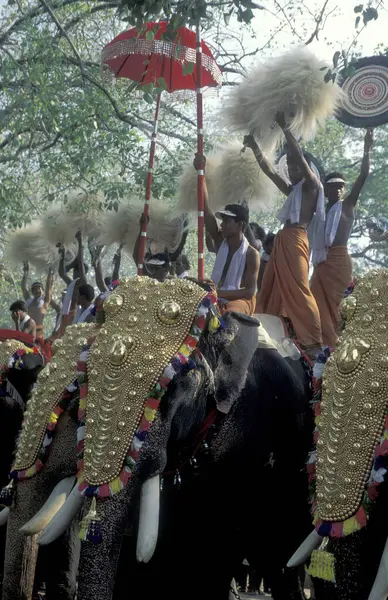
(22, 320)
(285, 287)
(38, 303)
(333, 271)
(237, 263)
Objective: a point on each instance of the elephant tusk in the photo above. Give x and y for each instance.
(50, 508)
(147, 536)
(4, 514)
(61, 521)
(380, 586)
(305, 549)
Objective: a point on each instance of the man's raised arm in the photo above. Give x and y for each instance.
(26, 268)
(297, 152)
(48, 292)
(351, 200)
(210, 219)
(265, 165)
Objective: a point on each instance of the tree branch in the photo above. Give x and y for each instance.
(318, 22)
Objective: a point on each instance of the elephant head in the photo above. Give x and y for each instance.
(349, 469)
(144, 378)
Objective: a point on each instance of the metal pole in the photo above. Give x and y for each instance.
(143, 238)
(201, 172)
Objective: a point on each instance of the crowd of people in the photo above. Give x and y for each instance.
(254, 271)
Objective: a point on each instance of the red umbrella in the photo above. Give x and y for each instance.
(146, 55)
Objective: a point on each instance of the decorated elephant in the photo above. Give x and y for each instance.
(146, 381)
(349, 470)
(20, 363)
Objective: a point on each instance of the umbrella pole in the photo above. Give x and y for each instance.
(201, 171)
(143, 234)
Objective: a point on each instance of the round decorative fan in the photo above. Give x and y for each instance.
(366, 94)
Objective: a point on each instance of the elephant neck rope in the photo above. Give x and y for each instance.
(364, 454)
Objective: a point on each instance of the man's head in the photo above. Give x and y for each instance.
(258, 232)
(335, 187)
(36, 289)
(108, 281)
(269, 242)
(18, 310)
(182, 264)
(85, 294)
(295, 172)
(157, 266)
(234, 219)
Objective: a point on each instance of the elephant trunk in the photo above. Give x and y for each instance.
(50, 508)
(61, 521)
(380, 586)
(305, 549)
(148, 519)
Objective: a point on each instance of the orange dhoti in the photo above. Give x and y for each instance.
(328, 284)
(285, 290)
(243, 305)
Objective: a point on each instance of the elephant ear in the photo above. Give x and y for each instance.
(232, 366)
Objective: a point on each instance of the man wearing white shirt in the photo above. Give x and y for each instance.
(85, 297)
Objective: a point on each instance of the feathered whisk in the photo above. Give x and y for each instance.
(30, 244)
(292, 83)
(232, 176)
(81, 212)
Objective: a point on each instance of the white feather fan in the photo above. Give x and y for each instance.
(239, 178)
(29, 244)
(232, 177)
(292, 83)
(188, 184)
(82, 212)
(122, 227)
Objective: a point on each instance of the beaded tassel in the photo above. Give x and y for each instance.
(7, 494)
(90, 530)
(322, 564)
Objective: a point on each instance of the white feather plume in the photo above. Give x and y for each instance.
(188, 184)
(292, 83)
(122, 227)
(81, 212)
(232, 177)
(29, 244)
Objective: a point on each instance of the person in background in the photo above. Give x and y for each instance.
(157, 266)
(103, 283)
(38, 302)
(85, 297)
(23, 322)
(267, 251)
(182, 266)
(258, 235)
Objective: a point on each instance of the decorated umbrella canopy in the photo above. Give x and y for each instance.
(366, 94)
(171, 61)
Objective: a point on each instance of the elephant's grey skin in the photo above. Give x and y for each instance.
(251, 500)
(59, 565)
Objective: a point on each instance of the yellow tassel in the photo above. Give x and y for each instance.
(214, 324)
(322, 565)
(351, 525)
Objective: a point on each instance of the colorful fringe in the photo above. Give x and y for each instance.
(62, 405)
(179, 362)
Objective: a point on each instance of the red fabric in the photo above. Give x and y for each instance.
(13, 334)
(130, 62)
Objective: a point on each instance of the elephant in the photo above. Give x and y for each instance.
(20, 366)
(347, 549)
(165, 343)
